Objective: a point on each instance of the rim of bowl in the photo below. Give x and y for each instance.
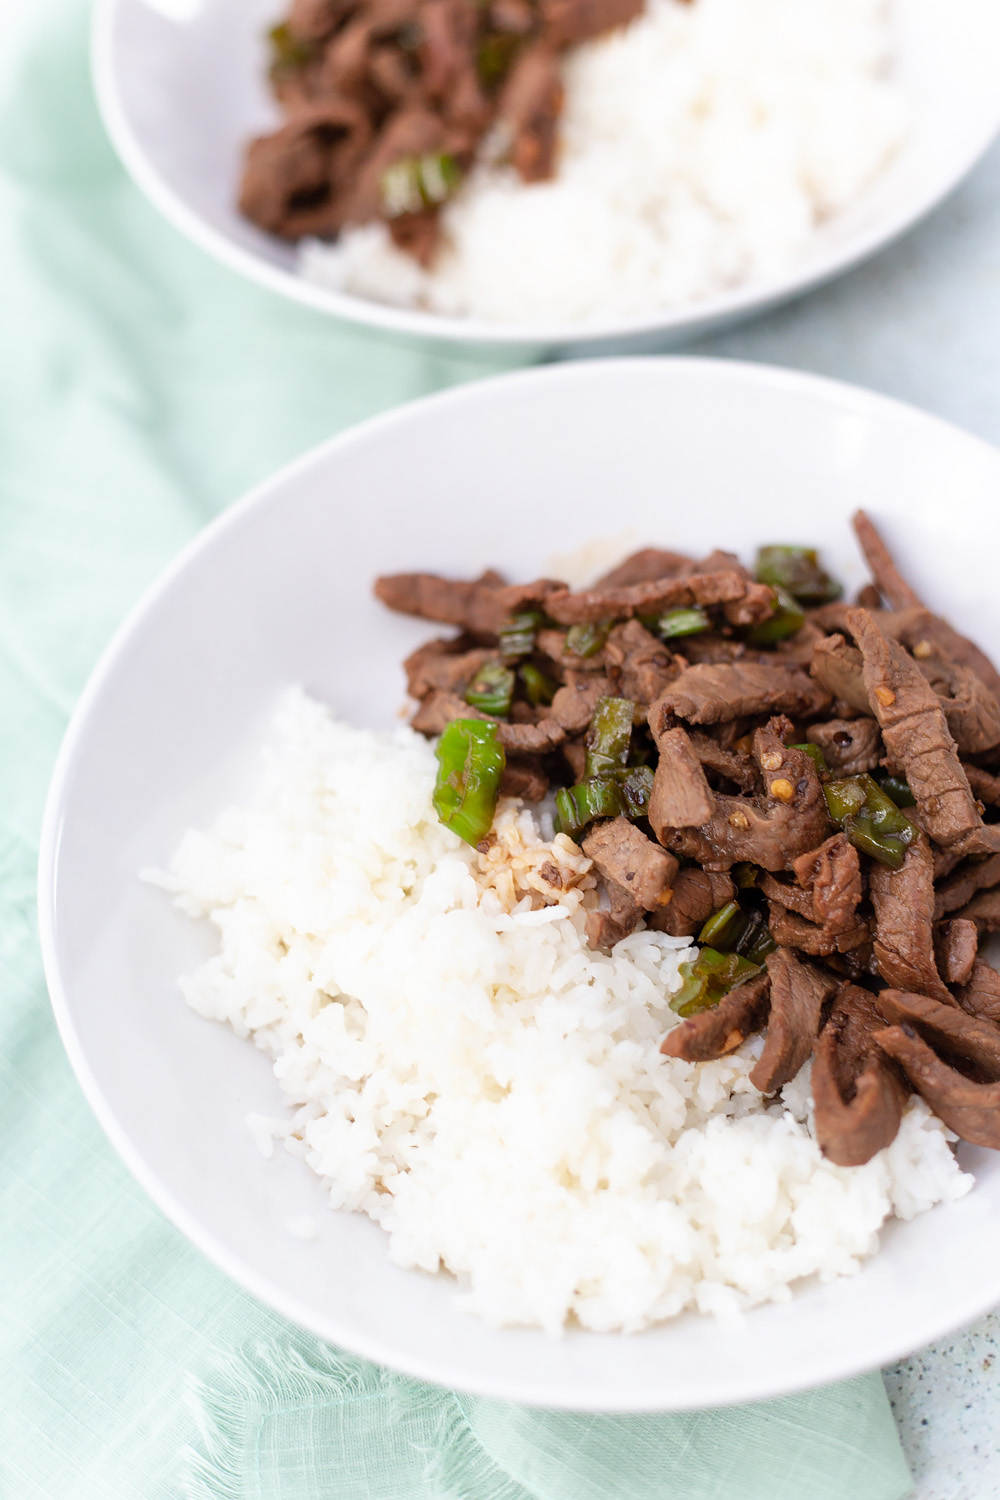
(727, 1387)
(687, 321)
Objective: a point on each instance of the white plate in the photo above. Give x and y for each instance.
(180, 122)
(693, 454)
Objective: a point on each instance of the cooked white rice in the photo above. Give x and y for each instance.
(701, 147)
(462, 1067)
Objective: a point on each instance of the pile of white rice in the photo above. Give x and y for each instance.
(462, 1067)
(700, 148)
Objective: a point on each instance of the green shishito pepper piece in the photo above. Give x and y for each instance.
(898, 788)
(797, 570)
(738, 929)
(587, 639)
(870, 818)
(788, 617)
(492, 689)
(470, 765)
(415, 183)
(621, 793)
(708, 977)
(609, 736)
(815, 754)
(636, 783)
(517, 635)
(726, 923)
(679, 622)
(539, 688)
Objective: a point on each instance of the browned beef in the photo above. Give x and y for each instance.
(857, 1093)
(291, 178)
(787, 818)
(850, 746)
(443, 664)
(832, 874)
(567, 22)
(706, 694)
(959, 888)
(890, 582)
(574, 703)
(793, 931)
(439, 708)
(724, 1027)
(904, 910)
(754, 605)
(838, 667)
(971, 1110)
(528, 110)
(575, 755)
(681, 796)
(448, 41)
(787, 895)
(798, 648)
(731, 764)
(951, 1031)
(922, 633)
(970, 709)
(643, 666)
(525, 778)
(798, 994)
(708, 646)
(917, 739)
(984, 786)
(956, 944)
(981, 996)
(644, 567)
(624, 855)
(480, 605)
(552, 645)
(311, 20)
(644, 598)
(607, 925)
(984, 910)
(697, 894)
(530, 739)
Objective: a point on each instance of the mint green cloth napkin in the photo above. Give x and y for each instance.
(141, 389)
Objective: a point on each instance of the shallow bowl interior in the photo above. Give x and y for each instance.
(689, 453)
(181, 87)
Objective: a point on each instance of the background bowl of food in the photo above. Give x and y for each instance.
(566, 175)
(451, 1038)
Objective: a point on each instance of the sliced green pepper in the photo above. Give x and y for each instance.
(415, 183)
(539, 688)
(797, 570)
(492, 689)
(609, 736)
(845, 796)
(898, 788)
(679, 622)
(587, 639)
(636, 784)
(470, 765)
(873, 822)
(517, 635)
(724, 927)
(576, 806)
(788, 617)
(708, 977)
(745, 876)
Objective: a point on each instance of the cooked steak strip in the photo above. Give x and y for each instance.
(971, 1110)
(984, 910)
(850, 746)
(917, 739)
(857, 1093)
(981, 996)
(643, 666)
(623, 854)
(793, 931)
(525, 778)
(721, 1029)
(984, 786)
(572, 21)
(956, 944)
(606, 926)
(480, 605)
(798, 994)
(950, 1030)
(788, 896)
(706, 694)
(917, 629)
(971, 710)
(959, 888)
(443, 664)
(731, 764)
(697, 894)
(439, 708)
(574, 703)
(646, 566)
(904, 910)
(644, 598)
(832, 874)
(681, 797)
(889, 581)
(838, 667)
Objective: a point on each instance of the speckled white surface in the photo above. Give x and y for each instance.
(922, 322)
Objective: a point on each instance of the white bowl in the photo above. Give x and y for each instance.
(180, 123)
(691, 453)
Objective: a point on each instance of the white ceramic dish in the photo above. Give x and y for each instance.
(691, 453)
(180, 123)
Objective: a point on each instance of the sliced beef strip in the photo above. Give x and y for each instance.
(971, 1110)
(632, 599)
(574, 703)
(793, 931)
(447, 48)
(291, 178)
(607, 925)
(788, 896)
(798, 993)
(850, 746)
(798, 648)
(971, 710)
(697, 894)
(904, 911)
(959, 888)
(681, 796)
(623, 854)
(922, 632)
(731, 764)
(981, 996)
(525, 778)
(709, 647)
(917, 739)
(480, 605)
(956, 944)
(643, 665)
(785, 820)
(839, 668)
(438, 709)
(720, 1030)
(706, 694)
(984, 910)
(528, 111)
(951, 1031)
(858, 1094)
(755, 605)
(311, 20)
(567, 22)
(984, 786)
(832, 873)
(575, 756)
(645, 566)
(444, 665)
(889, 581)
